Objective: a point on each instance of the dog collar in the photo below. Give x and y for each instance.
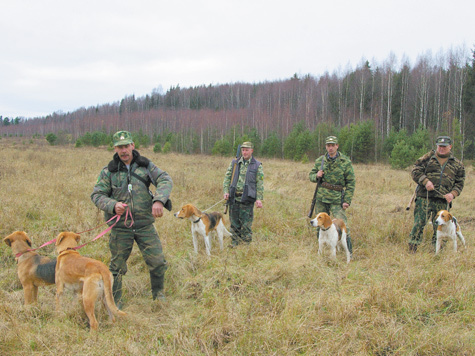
(19, 254)
(322, 228)
(194, 222)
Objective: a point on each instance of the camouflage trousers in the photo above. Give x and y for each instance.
(241, 216)
(121, 242)
(424, 210)
(337, 212)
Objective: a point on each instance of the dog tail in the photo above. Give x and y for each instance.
(223, 227)
(109, 299)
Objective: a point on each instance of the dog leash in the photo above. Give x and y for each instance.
(214, 204)
(54, 240)
(117, 217)
(34, 249)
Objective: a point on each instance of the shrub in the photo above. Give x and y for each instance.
(51, 138)
(167, 147)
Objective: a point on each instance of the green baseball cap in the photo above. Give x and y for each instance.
(247, 144)
(331, 139)
(443, 141)
(122, 138)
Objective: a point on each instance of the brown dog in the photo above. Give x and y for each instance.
(33, 270)
(89, 277)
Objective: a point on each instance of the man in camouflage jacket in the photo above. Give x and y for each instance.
(440, 178)
(122, 188)
(243, 187)
(338, 183)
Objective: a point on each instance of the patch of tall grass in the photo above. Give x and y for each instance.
(273, 297)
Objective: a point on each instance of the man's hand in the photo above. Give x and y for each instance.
(119, 208)
(258, 204)
(449, 197)
(320, 174)
(345, 206)
(429, 186)
(157, 209)
(226, 196)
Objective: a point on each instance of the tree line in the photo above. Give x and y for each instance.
(368, 106)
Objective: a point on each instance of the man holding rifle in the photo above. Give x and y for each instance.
(243, 187)
(336, 183)
(440, 178)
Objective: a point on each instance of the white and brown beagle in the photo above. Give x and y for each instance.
(447, 227)
(203, 224)
(331, 233)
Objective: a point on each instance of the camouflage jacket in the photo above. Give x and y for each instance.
(116, 183)
(338, 172)
(242, 169)
(449, 178)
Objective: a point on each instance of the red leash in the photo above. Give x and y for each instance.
(117, 217)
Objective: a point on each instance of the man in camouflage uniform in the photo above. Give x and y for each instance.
(122, 188)
(243, 187)
(338, 183)
(440, 178)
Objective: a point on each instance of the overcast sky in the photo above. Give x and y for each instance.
(60, 55)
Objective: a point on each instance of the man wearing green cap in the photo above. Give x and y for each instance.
(440, 179)
(122, 188)
(243, 187)
(337, 183)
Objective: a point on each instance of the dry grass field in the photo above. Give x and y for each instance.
(273, 297)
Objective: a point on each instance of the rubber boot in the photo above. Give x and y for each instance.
(117, 290)
(157, 287)
(349, 244)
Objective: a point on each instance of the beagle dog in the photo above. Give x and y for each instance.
(447, 227)
(90, 278)
(33, 270)
(331, 233)
(203, 224)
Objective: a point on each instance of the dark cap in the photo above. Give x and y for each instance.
(247, 144)
(122, 138)
(331, 139)
(443, 141)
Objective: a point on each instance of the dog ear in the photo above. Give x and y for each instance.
(59, 238)
(28, 241)
(77, 237)
(8, 241)
(450, 216)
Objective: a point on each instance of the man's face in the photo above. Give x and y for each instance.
(443, 150)
(246, 152)
(125, 152)
(331, 149)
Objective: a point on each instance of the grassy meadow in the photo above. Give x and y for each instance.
(273, 297)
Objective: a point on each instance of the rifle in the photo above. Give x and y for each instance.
(314, 199)
(408, 207)
(238, 154)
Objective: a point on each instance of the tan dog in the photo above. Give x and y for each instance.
(203, 224)
(332, 233)
(33, 270)
(447, 226)
(89, 277)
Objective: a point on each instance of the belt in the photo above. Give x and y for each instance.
(330, 186)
